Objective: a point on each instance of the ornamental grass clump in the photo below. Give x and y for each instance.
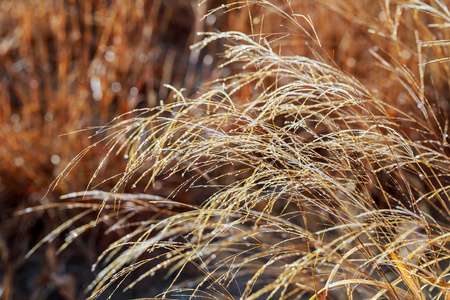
(67, 66)
(305, 182)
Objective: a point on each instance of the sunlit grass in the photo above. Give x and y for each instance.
(320, 186)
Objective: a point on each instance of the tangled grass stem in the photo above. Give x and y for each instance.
(317, 187)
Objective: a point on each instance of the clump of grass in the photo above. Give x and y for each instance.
(315, 185)
(70, 66)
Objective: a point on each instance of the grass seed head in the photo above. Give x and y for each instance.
(317, 183)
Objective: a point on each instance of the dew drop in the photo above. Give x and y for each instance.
(211, 19)
(134, 91)
(96, 88)
(143, 58)
(15, 118)
(55, 159)
(48, 116)
(19, 161)
(208, 60)
(116, 87)
(110, 55)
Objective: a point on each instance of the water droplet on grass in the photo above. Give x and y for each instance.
(55, 159)
(110, 55)
(48, 116)
(143, 58)
(134, 91)
(116, 87)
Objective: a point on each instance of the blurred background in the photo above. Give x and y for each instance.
(68, 66)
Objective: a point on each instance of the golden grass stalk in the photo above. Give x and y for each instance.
(320, 188)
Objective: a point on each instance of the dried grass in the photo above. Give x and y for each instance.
(71, 66)
(318, 184)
